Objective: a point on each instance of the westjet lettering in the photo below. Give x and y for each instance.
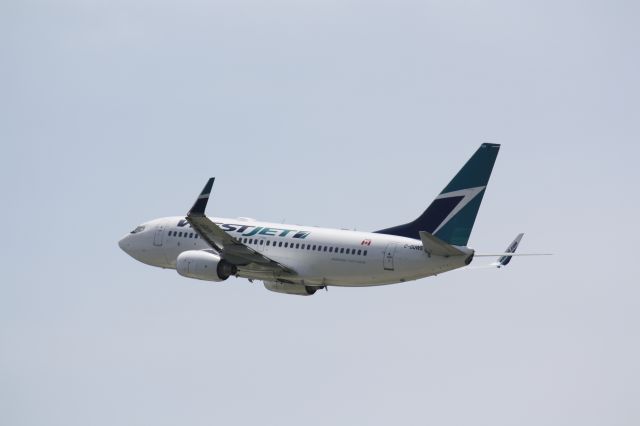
(253, 230)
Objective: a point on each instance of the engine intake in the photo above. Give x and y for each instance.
(203, 265)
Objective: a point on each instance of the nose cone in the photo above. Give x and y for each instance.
(125, 244)
(140, 247)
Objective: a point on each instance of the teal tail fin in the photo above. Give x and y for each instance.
(452, 214)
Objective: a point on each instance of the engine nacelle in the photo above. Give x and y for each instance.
(203, 265)
(288, 288)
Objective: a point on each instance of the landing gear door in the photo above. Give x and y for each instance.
(158, 236)
(389, 253)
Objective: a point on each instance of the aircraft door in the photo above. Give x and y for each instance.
(158, 236)
(389, 253)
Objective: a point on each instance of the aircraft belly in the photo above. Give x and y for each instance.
(345, 271)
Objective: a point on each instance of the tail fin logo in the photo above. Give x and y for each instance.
(467, 196)
(450, 217)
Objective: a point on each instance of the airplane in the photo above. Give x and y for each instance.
(301, 260)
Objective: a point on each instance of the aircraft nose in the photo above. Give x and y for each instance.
(138, 246)
(125, 244)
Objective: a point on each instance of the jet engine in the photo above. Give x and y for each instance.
(204, 265)
(290, 288)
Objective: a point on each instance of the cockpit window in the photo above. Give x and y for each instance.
(138, 229)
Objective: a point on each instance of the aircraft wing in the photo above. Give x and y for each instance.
(509, 253)
(231, 249)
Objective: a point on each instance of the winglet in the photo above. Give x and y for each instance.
(201, 203)
(504, 260)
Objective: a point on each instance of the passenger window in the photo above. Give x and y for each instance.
(261, 242)
(286, 245)
(280, 244)
(359, 252)
(325, 248)
(330, 249)
(342, 250)
(268, 242)
(180, 234)
(314, 247)
(297, 245)
(365, 253)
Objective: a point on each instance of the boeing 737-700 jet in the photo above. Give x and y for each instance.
(300, 260)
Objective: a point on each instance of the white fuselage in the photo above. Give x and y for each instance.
(318, 256)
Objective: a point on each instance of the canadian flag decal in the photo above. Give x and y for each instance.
(365, 243)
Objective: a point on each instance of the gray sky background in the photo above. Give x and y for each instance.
(347, 114)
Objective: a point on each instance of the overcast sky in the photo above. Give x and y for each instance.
(346, 114)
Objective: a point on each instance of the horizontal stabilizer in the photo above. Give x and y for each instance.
(436, 247)
(512, 254)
